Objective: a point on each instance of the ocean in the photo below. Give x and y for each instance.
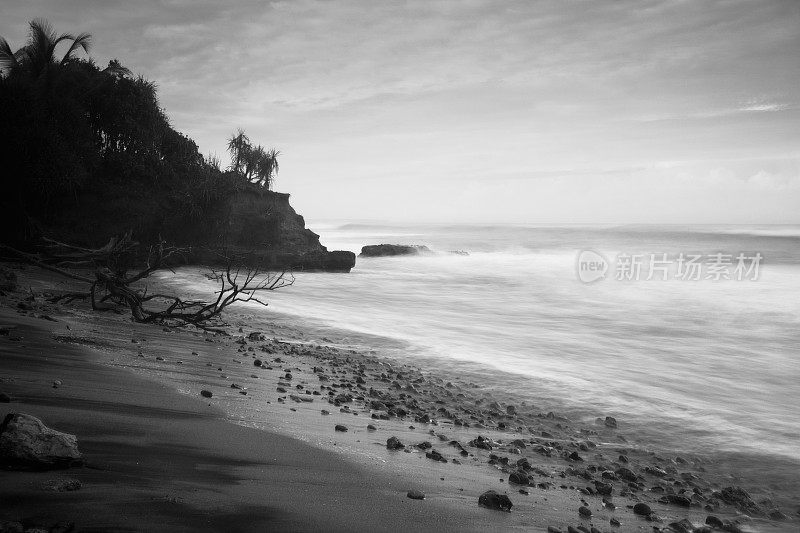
(702, 363)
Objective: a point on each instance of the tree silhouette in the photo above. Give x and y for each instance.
(254, 163)
(38, 57)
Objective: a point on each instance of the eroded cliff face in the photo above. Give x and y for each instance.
(257, 225)
(266, 220)
(264, 225)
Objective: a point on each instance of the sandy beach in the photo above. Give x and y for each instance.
(294, 437)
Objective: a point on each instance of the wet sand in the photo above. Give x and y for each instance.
(161, 457)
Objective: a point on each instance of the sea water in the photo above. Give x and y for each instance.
(708, 362)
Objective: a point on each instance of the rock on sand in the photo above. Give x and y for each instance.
(492, 500)
(26, 442)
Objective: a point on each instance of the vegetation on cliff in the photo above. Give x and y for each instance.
(88, 153)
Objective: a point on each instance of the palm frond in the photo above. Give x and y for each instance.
(83, 40)
(8, 59)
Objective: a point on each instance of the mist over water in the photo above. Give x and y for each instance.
(702, 364)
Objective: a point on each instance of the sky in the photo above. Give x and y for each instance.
(631, 111)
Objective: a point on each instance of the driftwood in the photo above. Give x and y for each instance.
(111, 282)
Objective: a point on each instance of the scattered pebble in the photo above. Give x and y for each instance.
(493, 500)
(393, 443)
(642, 509)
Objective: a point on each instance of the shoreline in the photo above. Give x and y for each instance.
(560, 485)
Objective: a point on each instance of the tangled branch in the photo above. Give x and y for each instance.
(111, 284)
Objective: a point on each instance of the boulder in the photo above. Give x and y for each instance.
(492, 500)
(25, 442)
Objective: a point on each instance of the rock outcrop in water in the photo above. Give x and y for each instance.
(385, 250)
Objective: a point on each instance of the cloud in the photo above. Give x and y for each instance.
(369, 97)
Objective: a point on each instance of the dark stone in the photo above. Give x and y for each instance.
(519, 477)
(610, 422)
(683, 526)
(626, 474)
(614, 522)
(436, 456)
(642, 509)
(655, 471)
(370, 427)
(206, 393)
(257, 362)
(416, 495)
(393, 443)
(481, 442)
(492, 500)
(679, 499)
(340, 427)
(713, 521)
(553, 529)
(604, 489)
(739, 497)
(25, 442)
(584, 511)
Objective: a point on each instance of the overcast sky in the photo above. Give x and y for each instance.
(475, 111)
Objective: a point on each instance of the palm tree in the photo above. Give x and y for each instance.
(38, 55)
(253, 163)
(238, 146)
(268, 167)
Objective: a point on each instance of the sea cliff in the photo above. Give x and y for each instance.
(263, 226)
